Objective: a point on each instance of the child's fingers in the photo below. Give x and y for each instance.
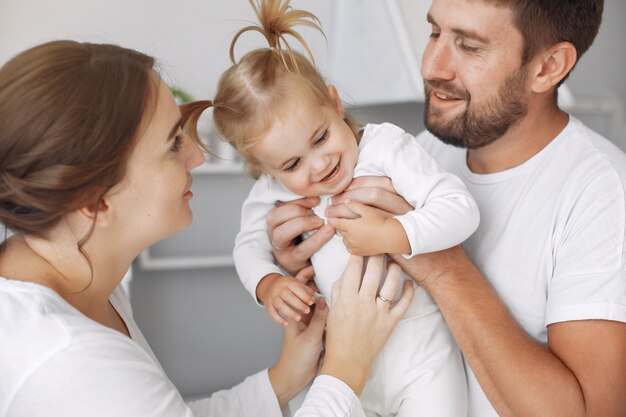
(339, 224)
(286, 310)
(304, 293)
(296, 303)
(274, 315)
(305, 274)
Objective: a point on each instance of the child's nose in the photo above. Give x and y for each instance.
(320, 164)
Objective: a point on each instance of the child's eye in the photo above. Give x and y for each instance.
(322, 138)
(295, 164)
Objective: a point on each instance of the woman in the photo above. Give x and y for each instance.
(94, 168)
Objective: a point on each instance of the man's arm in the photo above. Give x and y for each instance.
(582, 371)
(288, 221)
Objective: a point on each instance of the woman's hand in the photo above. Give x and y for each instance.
(300, 354)
(360, 322)
(286, 223)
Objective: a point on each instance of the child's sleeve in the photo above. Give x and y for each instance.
(253, 250)
(445, 213)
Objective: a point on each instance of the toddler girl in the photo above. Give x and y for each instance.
(276, 110)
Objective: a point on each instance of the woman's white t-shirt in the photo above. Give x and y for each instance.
(55, 361)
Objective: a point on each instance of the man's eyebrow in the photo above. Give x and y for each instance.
(466, 33)
(174, 129)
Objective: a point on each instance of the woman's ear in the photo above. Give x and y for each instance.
(334, 96)
(97, 213)
(554, 65)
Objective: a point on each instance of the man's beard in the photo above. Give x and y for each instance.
(480, 124)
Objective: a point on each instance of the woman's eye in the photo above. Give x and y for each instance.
(178, 142)
(293, 166)
(322, 139)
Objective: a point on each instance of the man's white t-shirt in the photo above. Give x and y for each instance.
(552, 231)
(55, 361)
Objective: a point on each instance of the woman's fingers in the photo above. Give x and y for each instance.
(351, 278)
(372, 276)
(316, 326)
(285, 211)
(404, 302)
(388, 290)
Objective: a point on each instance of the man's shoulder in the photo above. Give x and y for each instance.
(591, 150)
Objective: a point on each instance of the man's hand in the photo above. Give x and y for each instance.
(286, 223)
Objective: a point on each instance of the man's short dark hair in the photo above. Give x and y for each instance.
(544, 23)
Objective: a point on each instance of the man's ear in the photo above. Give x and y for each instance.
(553, 65)
(334, 96)
(97, 212)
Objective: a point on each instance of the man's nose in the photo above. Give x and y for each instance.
(437, 61)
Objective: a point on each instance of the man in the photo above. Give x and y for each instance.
(537, 298)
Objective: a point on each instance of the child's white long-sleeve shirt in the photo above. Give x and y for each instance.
(445, 213)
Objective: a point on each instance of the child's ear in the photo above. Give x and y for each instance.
(334, 96)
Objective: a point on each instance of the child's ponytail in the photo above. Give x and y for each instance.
(190, 114)
(277, 20)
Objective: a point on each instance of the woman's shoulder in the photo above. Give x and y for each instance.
(42, 327)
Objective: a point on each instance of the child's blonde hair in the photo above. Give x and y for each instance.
(253, 92)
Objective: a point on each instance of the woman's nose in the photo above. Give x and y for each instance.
(437, 61)
(196, 157)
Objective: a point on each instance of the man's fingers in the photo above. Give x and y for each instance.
(306, 202)
(283, 235)
(313, 243)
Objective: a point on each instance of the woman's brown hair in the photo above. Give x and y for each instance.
(69, 115)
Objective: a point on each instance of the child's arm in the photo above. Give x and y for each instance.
(445, 213)
(254, 261)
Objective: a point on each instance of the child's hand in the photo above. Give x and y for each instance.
(372, 233)
(286, 297)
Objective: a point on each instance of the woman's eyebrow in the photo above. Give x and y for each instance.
(174, 129)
